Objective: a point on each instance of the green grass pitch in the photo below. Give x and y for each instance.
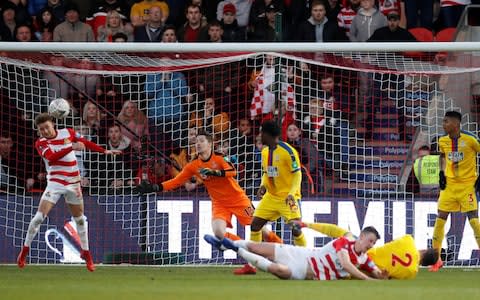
(128, 282)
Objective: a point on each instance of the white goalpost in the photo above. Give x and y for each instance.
(356, 112)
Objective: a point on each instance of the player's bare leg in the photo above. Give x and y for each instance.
(438, 235)
(257, 231)
(260, 255)
(82, 228)
(43, 209)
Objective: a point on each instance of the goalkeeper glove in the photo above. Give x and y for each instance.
(145, 187)
(442, 182)
(210, 172)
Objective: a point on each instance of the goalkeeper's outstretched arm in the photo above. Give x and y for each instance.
(146, 187)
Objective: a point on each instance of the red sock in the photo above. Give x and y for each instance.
(273, 238)
(232, 236)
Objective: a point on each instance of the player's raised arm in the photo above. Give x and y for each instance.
(146, 187)
(44, 150)
(91, 145)
(226, 169)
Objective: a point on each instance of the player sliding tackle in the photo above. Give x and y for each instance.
(342, 258)
(458, 179)
(57, 150)
(399, 258)
(218, 175)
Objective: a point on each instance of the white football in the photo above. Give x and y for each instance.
(59, 108)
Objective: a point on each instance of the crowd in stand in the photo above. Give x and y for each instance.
(218, 21)
(322, 105)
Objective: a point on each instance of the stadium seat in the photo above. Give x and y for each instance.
(422, 34)
(445, 35)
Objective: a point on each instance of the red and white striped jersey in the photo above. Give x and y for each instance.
(445, 3)
(59, 157)
(345, 17)
(326, 266)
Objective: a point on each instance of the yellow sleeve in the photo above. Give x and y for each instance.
(476, 144)
(296, 183)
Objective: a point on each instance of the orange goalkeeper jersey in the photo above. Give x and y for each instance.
(223, 190)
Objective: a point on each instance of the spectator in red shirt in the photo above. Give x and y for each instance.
(193, 31)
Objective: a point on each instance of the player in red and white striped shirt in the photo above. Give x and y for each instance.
(341, 258)
(57, 150)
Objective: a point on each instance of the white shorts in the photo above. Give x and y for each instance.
(295, 258)
(72, 193)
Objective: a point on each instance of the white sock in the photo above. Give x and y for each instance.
(256, 260)
(33, 228)
(241, 244)
(82, 229)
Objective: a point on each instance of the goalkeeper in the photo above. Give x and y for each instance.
(400, 257)
(218, 175)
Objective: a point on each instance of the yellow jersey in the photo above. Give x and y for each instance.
(279, 165)
(399, 257)
(141, 9)
(460, 156)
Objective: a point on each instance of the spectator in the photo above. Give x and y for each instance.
(259, 9)
(333, 8)
(210, 119)
(192, 31)
(112, 175)
(451, 11)
(58, 9)
(98, 16)
(367, 20)
(72, 29)
(140, 13)
(264, 29)
(156, 170)
(215, 32)
(135, 124)
(245, 130)
(119, 37)
(308, 154)
(23, 33)
(8, 24)
(34, 6)
(7, 179)
(388, 6)
(59, 87)
(114, 24)
(88, 84)
(45, 23)
(318, 28)
(346, 15)
(168, 95)
(92, 118)
(21, 11)
(422, 11)
(242, 11)
(393, 32)
(180, 156)
(151, 31)
(232, 32)
(426, 168)
(169, 35)
(265, 85)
